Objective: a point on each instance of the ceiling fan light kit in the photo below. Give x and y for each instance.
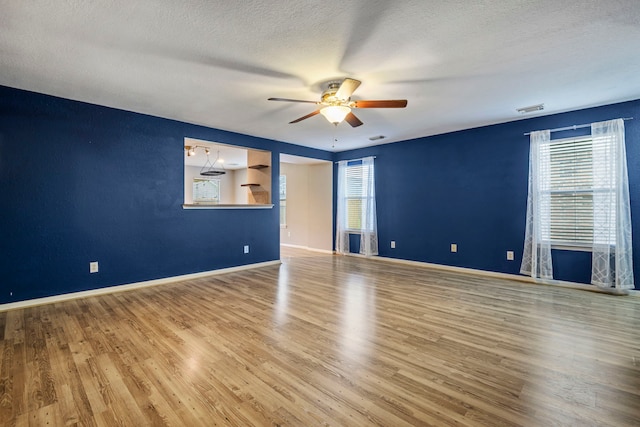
(335, 103)
(335, 113)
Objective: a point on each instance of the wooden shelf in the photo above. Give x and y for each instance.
(249, 185)
(258, 166)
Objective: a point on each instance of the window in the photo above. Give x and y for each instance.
(571, 190)
(356, 210)
(206, 190)
(283, 200)
(357, 176)
(579, 198)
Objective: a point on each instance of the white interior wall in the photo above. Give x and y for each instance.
(297, 204)
(242, 193)
(309, 205)
(320, 213)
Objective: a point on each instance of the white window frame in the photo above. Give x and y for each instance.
(355, 192)
(572, 177)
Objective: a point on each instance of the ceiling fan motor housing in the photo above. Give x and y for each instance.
(329, 95)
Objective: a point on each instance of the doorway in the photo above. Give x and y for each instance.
(306, 199)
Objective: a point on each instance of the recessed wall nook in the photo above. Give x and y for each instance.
(222, 176)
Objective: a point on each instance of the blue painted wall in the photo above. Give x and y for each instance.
(470, 188)
(81, 183)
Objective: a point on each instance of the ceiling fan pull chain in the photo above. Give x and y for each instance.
(335, 130)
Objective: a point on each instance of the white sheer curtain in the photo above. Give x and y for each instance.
(358, 188)
(342, 234)
(369, 232)
(612, 261)
(536, 257)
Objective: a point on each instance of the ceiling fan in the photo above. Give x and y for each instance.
(336, 104)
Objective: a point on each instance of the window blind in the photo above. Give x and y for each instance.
(571, 189)
(354, 193)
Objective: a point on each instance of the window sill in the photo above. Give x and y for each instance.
(572, 248)
(220, 206)
(356, 231)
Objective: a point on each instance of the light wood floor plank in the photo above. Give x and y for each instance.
(326, 340)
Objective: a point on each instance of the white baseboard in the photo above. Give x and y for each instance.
(156, 282)
(308, 248)
(507, 276)
(130, 286)
(458, 269)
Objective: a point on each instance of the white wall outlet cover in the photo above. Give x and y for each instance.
(246, 249)
(510, 255)
(454, 247)
(393, 244)
(93, 267)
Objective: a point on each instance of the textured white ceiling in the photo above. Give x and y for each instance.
(459, 63)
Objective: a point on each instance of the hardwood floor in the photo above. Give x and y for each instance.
(326, 340)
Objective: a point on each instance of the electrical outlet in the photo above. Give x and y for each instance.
(454, 247)
(509, 255)
(288, 234)
(93, 267)
(246, 249)
(393, 244)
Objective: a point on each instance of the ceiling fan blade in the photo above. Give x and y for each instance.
(347, 88)
(353, 120)
(305, 117)
(388, 103)
(291, 100)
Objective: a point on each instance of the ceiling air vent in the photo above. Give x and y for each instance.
(531, 109)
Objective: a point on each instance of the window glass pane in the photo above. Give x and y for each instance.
(283, 212)
(571, 191)
(572, 218)
(357, 177)
(206, 190)
(354, 217)
(283, 187)
(283, 200)
(353, 193)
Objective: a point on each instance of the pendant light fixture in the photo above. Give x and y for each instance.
(209, 168)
